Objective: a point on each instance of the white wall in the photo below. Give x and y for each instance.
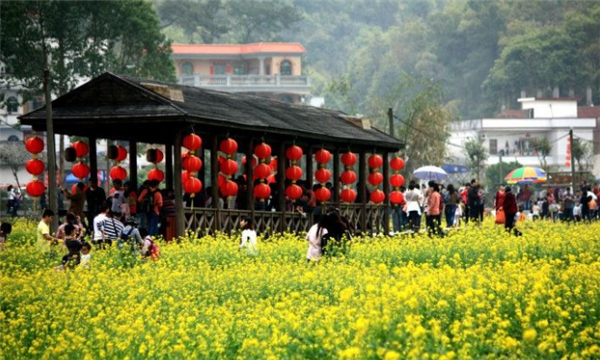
(550, 108)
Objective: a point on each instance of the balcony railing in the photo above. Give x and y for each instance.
(249, 81)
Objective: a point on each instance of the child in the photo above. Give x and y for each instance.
(458, 213)
(248, 236)
(149, 247)
(577, 211)
(5, 230)
(86, 248)
(73, 258)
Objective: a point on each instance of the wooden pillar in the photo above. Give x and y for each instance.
(309, 168)
(386, 191)
(336, 177)
(178, 189)
(214, 180)
(250, 179)
(281, 184)
(362, 190)
(169, 162)
(133, 164)
(202, 173)
(93, 157)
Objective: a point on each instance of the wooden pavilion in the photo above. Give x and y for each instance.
(117, 107)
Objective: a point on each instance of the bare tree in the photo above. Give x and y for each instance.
(477, 155)
(14, 155)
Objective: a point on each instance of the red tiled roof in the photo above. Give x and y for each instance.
(237, 49)
(588, 112)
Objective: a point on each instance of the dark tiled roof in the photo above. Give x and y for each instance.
(588, 112)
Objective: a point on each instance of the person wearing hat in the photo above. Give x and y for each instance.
(130, 234)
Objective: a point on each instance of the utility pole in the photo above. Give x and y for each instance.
(52, 189)
(391, 118)
(572, 162)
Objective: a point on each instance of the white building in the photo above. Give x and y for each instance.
(512, 135)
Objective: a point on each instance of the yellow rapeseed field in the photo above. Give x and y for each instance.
(476, 294)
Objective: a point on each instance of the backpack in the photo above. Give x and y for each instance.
(147, 204)
(153, 251)
(126, 237)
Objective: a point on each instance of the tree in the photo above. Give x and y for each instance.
(477, 154)
(14, 155)
(583, 153)
(542, 148)
(494, 176)
(201, 20)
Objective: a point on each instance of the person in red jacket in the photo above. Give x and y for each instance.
(510, 209)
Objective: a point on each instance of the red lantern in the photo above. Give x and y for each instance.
(271, 179)
(348, 195)
(396, 197)
(375, 161)
(35, 188)
(262, 171)
(34, 166)
(192, 185)
(122, 154)
(229, 167)
(348, 177)
(349, 159)
(273, 164)
(221, 180)
(117, 172)
(228, 146)
(293, 191)
(377, 196)
(323, 156)
(229, 188)
(294, 153)
(81, 170)
(262, 191)
(192, 163)
(184, 176)
(293, 173)
(262, 150)
(322, 175)
(192, 142)
(34, 145)
(323, 194)
(81, 148)
(397, 180)
(155, 156)
(397, 164)
(156, 174)
(375, 178)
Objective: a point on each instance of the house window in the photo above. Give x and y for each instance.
(493, 147)
(187, 69)
(285, 68)
(12, 105)
(219, 69)
(13, 138)
(239, 68)
(286, 99)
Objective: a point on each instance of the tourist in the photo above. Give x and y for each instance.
(112, 227)
(86, 255)
(248, 240)
(99, 235)
(130, 235)
(44, 239)
(460, 209)
(168, 212)
(585, 204)
(95, 197)
(129, 206)
(73, 245)
(510, 209)
(72, 220)
(116, 198)
(413, 208)
(314, 237)
(398, 214)
(433, 217)
(77, 200)
(451, 204)
(464, 194)
(149, 247)
(5, 230)
(526, 197)
(473, 201)
(568, 204)
(498, 202)
(152, 202)
(338, 234)
(577, 211)
(145, 205)
(14, 199)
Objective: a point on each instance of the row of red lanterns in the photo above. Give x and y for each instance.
(191, 165)
(348, 177)
(322, 157)
(293, 172)
(117, 153)
(396, 180)
(228, 167)
(262, 171)
(35, 188)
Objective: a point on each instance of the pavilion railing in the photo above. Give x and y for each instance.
(205, 221)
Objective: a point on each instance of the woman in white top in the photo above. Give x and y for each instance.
(413, 207)
(314, 236)
(248, 236)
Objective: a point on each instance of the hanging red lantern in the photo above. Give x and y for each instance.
(81, 148)
(397, 180)
(262, 150)
(81, 170)
(271, 179)
(293, 191)
(184, 176)
(262, 191)
(323, 156)
(192, 185)
(122, 153)
(273, 164)
(228, 146)
(396, 197)
(192, 142)
(375, 161)
(323, 194)
(117, 172)
(397, 164)
(221, 180)
(262, 171)
(34, 166)
(159, 156)
(229, 167)
(377, 196)
(34, 145)
(229, 188)
(156, 156)
(348, 195)
(322, 175)
(294, 153)
(349, 159)
(375, 178)
(293, 173)
(348, 177)
(192, 163)
(35, 188)
(156, 174)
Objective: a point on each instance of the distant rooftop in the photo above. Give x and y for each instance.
(237, 49)
(548, 99)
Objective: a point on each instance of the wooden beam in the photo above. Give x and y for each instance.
(386, 191)
(281, 184)
(133, 164)
(362, 189)
(178, 189)
(169, 162)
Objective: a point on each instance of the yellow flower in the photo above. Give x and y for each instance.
(529, 334)
(391, 355)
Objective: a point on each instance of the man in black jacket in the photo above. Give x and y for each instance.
(474, 201)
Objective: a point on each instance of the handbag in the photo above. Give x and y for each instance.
(500, 217)
(405, 206)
